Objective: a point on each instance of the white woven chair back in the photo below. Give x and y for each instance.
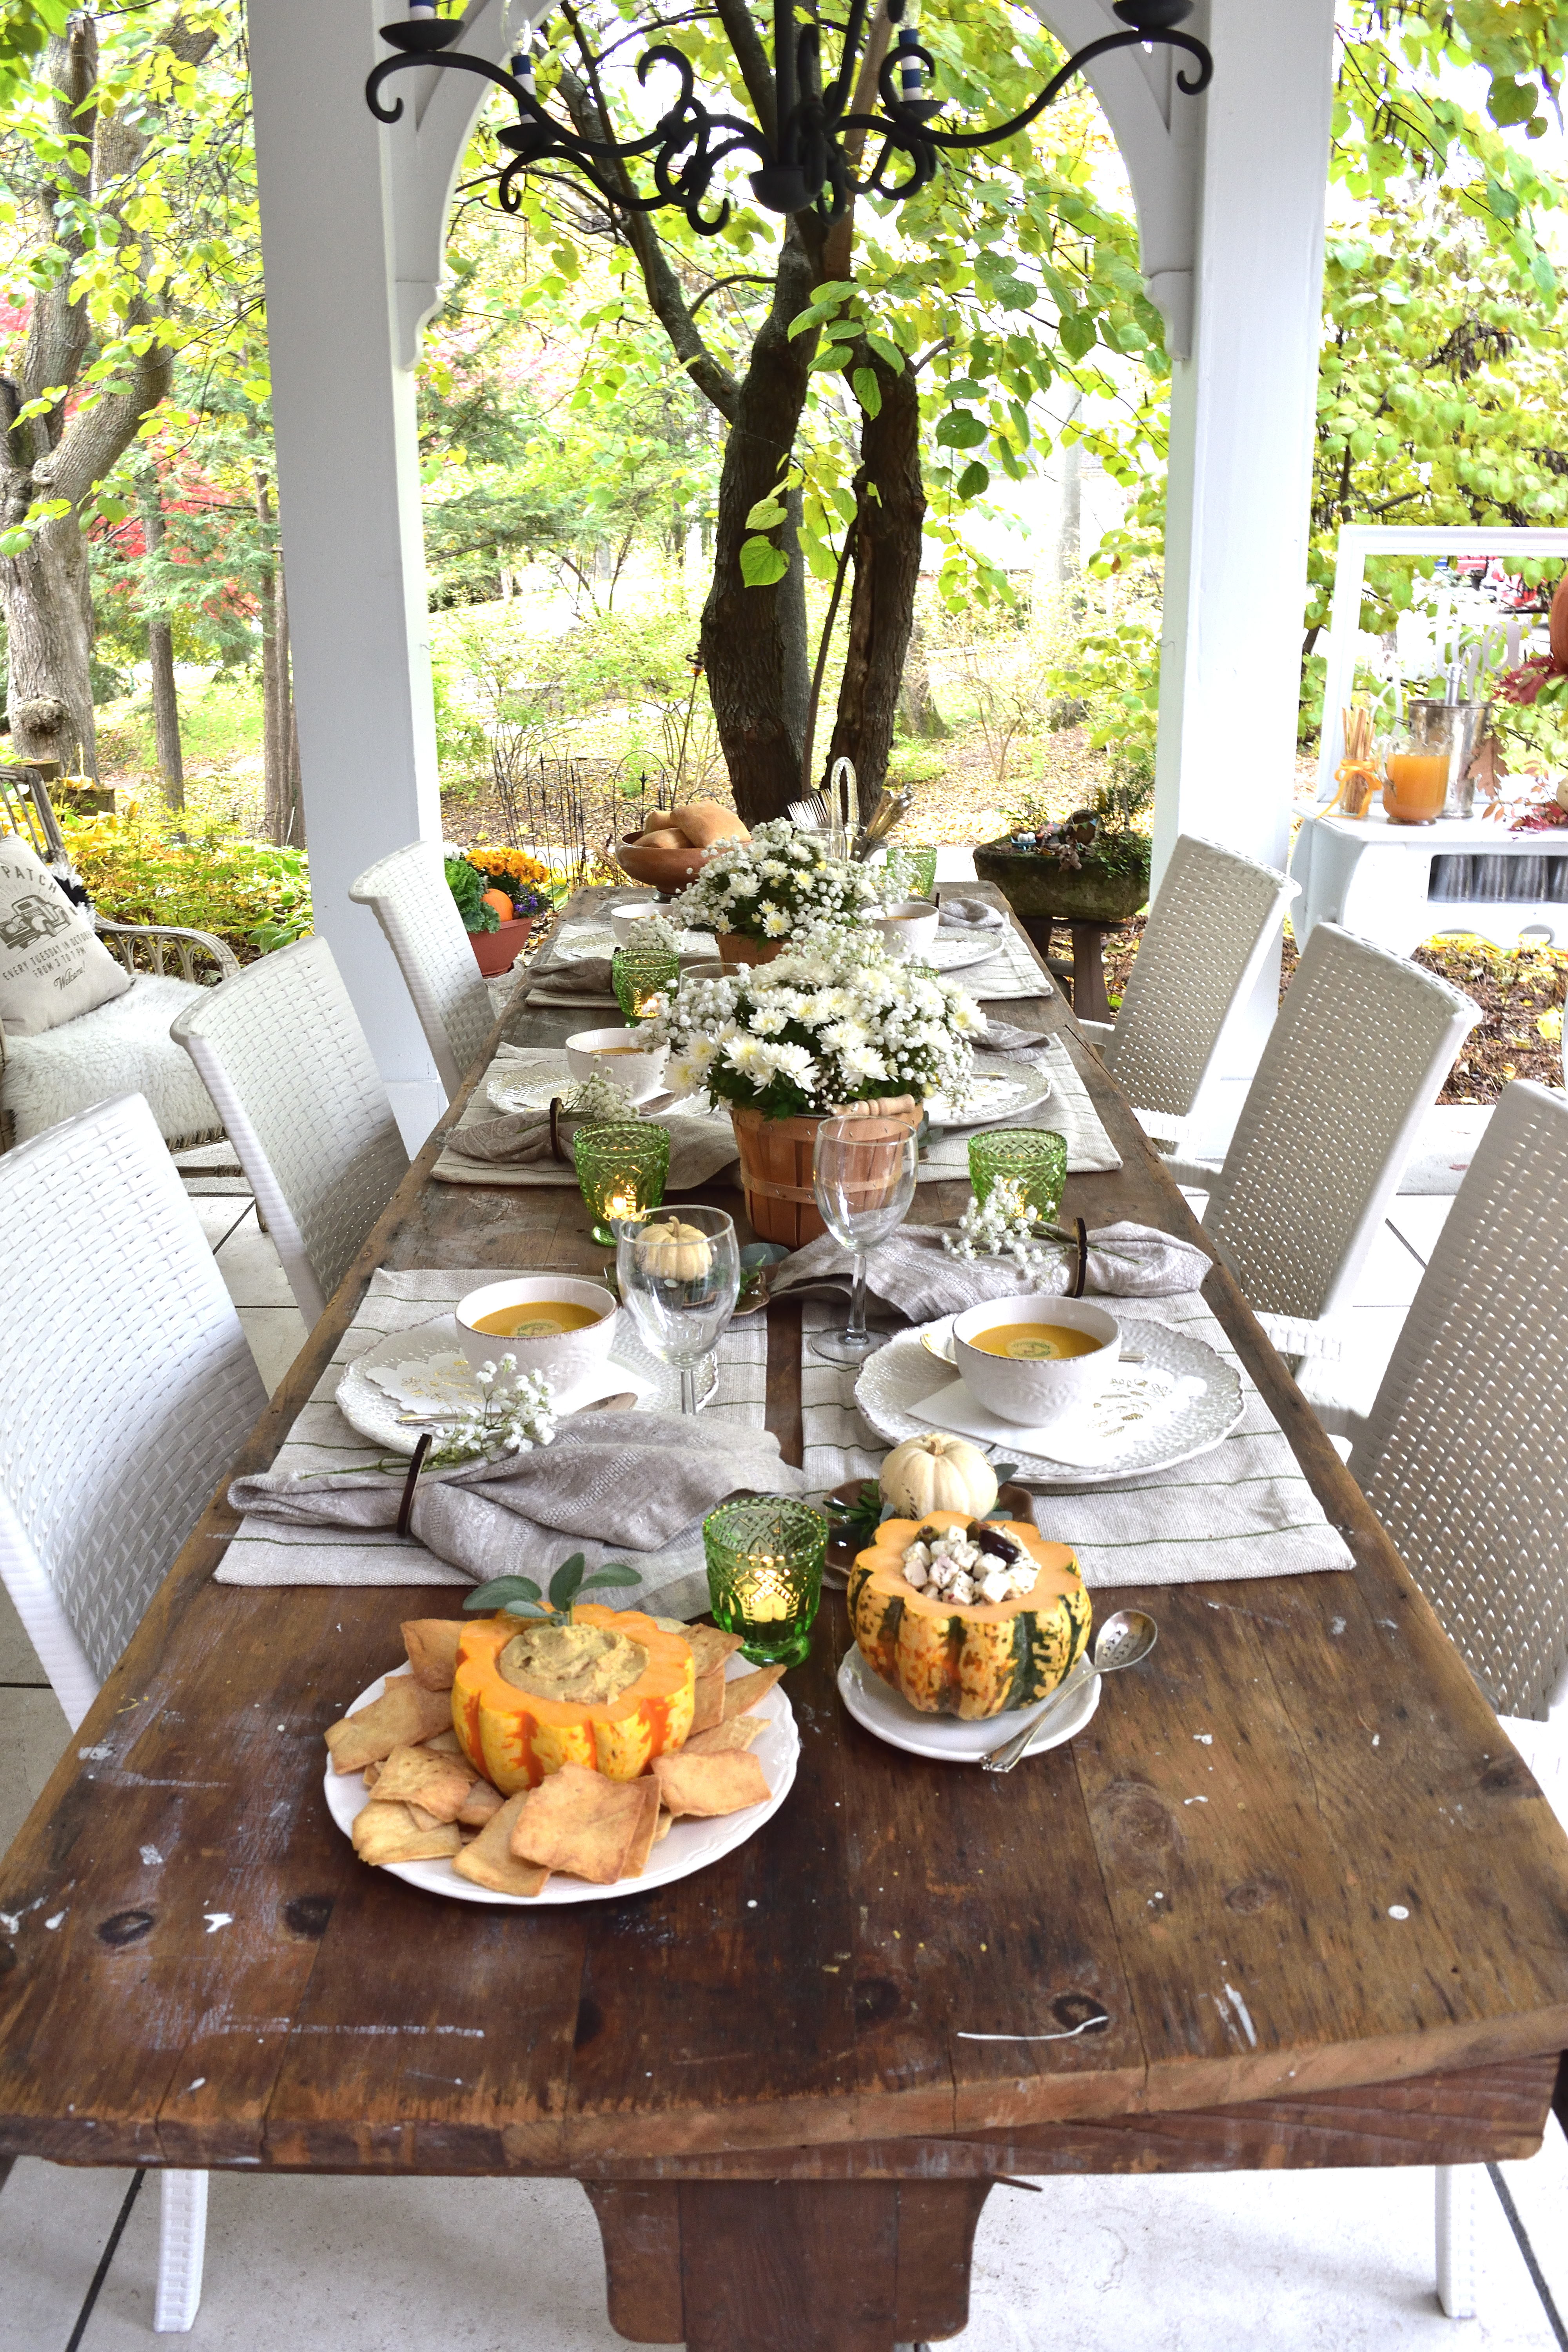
(1462, 1455)
(1363, 1042)
(126, 1385)
(419, 914)
(282, 1055)
(1208, 932)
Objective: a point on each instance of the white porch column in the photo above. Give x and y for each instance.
(343, 412)
(1241, 444)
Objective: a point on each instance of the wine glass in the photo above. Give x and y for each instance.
(680, 1273)
(863, 1175)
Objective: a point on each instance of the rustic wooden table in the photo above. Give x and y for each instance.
(1353, 1953)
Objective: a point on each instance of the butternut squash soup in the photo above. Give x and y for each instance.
(537, 1319)
(1035, 1343)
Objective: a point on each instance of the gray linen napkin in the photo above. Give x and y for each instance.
(616, 1481)
(699, 1148)
(1006, 1037)
(587, 980)
(971, 915)
(914, 1274)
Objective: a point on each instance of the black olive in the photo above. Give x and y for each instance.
(1000, 1547)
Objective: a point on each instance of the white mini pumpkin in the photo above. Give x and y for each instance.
(937, 1473)
(675, 1251)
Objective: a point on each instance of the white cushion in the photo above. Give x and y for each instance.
(120, 1048)
(53, 965)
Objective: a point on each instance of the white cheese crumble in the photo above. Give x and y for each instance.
(960, 1566)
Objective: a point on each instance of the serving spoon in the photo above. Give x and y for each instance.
(1125, 1638)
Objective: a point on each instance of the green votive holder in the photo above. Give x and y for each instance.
(639, 974)
(925, 871)
(1033, 1157)
(764, 1575)
(621, 1171)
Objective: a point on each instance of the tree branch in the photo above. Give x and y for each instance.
(737, 278)
(743, 37)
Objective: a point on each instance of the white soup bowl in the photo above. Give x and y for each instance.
(565, 1358)
(599, 1050)
(1040, 1391)
(908, 928)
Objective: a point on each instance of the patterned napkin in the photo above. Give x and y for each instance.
(1242, 1509)
(914, 1274)
(320, 1544)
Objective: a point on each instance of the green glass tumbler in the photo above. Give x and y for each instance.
(622, 1167)
(1032, 1158)
(925, 871)
(639, 975)
(764, 1575)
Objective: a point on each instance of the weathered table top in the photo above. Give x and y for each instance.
(1353, 1949)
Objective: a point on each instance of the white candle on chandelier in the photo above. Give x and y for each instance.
(909, 64)
(522, 66)
(421, 11)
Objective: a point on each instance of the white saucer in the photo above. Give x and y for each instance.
(1002, 1089)
(439, 1376)
(880, 1710)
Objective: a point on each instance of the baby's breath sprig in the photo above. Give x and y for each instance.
(1007, 1224)
(515, 1416)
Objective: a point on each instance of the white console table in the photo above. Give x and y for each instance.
(1401, 884)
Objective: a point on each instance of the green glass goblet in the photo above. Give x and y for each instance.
(925, 871)
(1032, 1158)
(764, 1575)
(621, 1172)
(643, 979)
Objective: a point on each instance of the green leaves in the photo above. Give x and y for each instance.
(762, 563)
(519, 1596)
(975, 479)
(766, 515)
(960, 430)
(867, 391)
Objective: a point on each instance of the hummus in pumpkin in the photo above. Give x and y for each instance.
(588, 1662)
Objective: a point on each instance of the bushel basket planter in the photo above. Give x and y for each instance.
(776, 1156)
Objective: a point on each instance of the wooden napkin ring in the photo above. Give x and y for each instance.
(405, 1508)
(1082, 1275)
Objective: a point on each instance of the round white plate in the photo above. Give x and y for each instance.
(904, 1373)
(1003, 1088)
(577, 945)
(444, 1377)
(880, 1710)
(691, 1844)
(956, 951)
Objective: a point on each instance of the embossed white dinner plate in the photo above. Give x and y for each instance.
(956, 951)
(1000, 1088)
(904, 1375)
(691, 1844)
(425, 1368)
(576, 946)
(879, 1709)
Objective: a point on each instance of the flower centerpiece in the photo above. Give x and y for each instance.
(498, 893)
(832, 1023)
(1092, 867)
(757, 894)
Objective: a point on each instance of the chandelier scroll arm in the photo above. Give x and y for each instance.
(480, 66)
(994, 134)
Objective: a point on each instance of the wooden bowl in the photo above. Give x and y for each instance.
(664, 870)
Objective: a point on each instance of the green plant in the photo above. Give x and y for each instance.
(290, 917)
(467, 885)
(519, 1596)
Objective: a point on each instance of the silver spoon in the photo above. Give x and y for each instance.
(1125, 1638)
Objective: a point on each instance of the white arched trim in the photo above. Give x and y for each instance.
(1154, 125)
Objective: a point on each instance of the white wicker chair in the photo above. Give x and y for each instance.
(1355, 1060)
(111, 1444)
(419, 914)
(282, 1055)
(1461, 1459)
(1210, 926)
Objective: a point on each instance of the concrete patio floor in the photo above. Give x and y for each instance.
(1335, 2262)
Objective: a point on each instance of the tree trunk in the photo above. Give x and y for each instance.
(918, 713)
(284, 818)
(755, 640)
(887, 573)
(161, 657)
(1067, 561)
(50, 697)
(290, 834)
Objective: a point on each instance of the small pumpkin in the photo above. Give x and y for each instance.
(938, 1472)
(515, 1737)
(501, 902)
(975, 1659)
(674, 1252)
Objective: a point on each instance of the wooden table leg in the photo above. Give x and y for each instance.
(788, 2265)
(1090, 1001)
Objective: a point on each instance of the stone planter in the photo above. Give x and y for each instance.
(496, 951)
(1040, 889)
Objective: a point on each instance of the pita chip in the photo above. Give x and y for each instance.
(578, 1822)
(439, 1783)
(735, 1732)
(488, 1861)
(708, 1705)
(708, 1646)
(741, 1694)
(647, 1829)
(481, 1804)
(666, 1823)
(707, 1785)
(403, 1713)
(384, 1833)
(432, 1646)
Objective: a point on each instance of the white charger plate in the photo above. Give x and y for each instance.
(904, 1373)
(691, 1844)
(376, 1414)
(1003, 1088)
(879, 1709)
(577, 945)
(956, 951)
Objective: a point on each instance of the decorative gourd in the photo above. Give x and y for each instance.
(501, 902)
(972, 1660)
(515, 1739)
(674, 1252)
(937, 1474)
(660, 836)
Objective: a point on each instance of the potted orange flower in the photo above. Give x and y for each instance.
(498, 893)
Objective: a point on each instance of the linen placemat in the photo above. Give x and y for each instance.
(1243, 1509)
(700, 1142)
(1066, 1111)
(265, 1552)
(1011, 972)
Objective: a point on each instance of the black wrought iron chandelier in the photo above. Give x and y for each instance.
(805, 166)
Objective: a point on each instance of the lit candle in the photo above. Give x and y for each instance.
(764, 1594)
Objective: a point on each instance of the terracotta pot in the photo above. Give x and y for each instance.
(776, 1156)
(664, 870)
(1041, 888)
(496, 951)
(734, 949)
